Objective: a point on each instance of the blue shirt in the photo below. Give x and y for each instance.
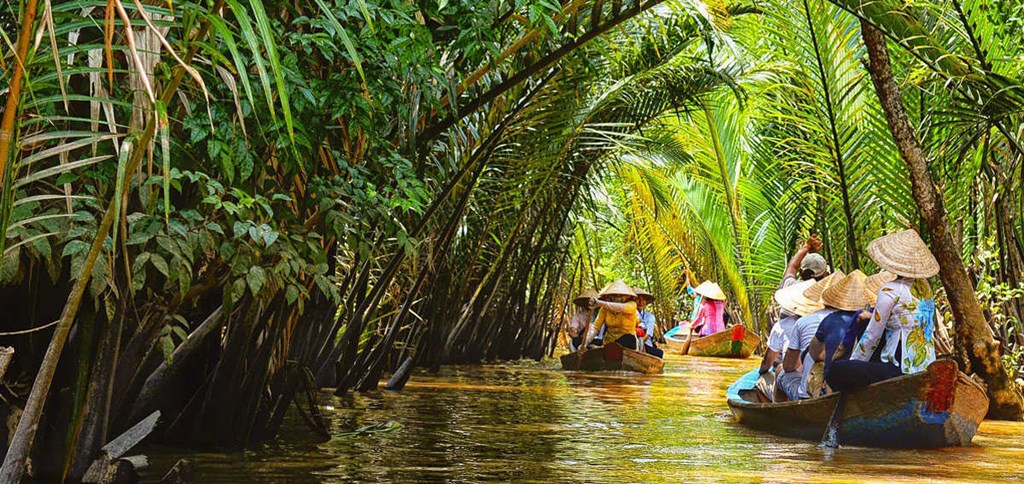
(832, 330)
(647, 321)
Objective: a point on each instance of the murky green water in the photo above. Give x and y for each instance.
(530, 422)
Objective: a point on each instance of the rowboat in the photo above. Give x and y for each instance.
(613, 357)
(938, 407)
(675, 338)
(733, 342)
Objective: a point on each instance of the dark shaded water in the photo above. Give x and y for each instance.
(530, 422)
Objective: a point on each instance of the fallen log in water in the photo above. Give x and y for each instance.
(110, 466)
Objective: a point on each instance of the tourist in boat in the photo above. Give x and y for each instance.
(710, 317)
(616, 316)
(684, 326)
(645, 329)
(806, 264)
(849, 297)
(904, 316)
(793, 305)
(796, 364)
(581, 318)
(853, 334)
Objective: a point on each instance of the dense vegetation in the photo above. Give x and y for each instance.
(224, 204)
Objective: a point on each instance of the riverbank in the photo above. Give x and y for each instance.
(528, 421)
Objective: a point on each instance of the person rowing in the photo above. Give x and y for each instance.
(849, 297)
(711, 315)
(617, 316)
(581, 318)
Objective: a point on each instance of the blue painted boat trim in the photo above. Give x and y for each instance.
(746, 382)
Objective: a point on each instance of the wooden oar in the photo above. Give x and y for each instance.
(830, 439)
(686, 344)
(582, 348)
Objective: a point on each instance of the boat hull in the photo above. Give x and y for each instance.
(939, 407)
(734, 342)
(613, 357)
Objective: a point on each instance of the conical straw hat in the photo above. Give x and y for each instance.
(875, 282)
(904, 254)
(814, 293)
(643, 294)
(792, 299)
(710, 290)
(618, 288)
(848, 293)
(585, 296)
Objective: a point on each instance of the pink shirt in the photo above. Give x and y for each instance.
(711, 314)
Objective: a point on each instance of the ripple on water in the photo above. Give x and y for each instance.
(527, 421)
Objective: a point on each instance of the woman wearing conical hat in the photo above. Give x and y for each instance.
(710, 317)
(872, 284)
(904, 314)
(849, 297)
(581, 318)
(616, 315)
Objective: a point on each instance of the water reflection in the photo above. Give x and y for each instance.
(529, 422)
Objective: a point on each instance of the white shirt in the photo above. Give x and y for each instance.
(777, 341)
(800, 337)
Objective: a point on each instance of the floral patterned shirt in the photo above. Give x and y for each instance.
(896, 315)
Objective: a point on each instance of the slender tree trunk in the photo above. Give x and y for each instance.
(28, 19)
(972, 329)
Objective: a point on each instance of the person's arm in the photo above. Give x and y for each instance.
(791, 362)
(626, 307)
(840, 351)
(873, 334)
(817, 349)
(770, 356)
(594, 329)
(812, 244)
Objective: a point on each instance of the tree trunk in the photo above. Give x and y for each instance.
(972, 329)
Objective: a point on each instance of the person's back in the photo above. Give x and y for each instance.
(832, 332)
(903, 316)
(777, 342)
(711, 317)
(800, 336)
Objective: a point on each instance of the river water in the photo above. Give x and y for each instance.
(530, 422)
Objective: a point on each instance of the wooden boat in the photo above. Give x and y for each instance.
(674, 344)
(674, 340)
(733, 342)
(939, 407)
(614, 357)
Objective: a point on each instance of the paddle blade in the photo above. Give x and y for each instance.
(830, 439)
